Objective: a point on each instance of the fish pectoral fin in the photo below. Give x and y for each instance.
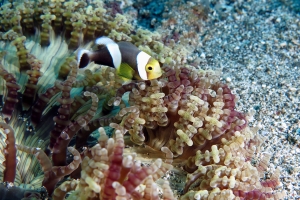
(125, 71)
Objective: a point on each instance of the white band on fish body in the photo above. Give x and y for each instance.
(113, 49)
(115, 54)
(142, 60)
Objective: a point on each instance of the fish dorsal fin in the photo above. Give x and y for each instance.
(113, 49)
(142, 60)
(104, 41)
(125, 71)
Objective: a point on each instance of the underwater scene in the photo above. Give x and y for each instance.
(146, 100)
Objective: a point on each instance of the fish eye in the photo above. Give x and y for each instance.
(150, 68)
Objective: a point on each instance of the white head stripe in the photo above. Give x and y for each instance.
(115, 54)
(142, 60)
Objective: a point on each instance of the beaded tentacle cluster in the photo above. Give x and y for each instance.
(192, 113)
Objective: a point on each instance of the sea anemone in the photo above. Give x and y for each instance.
(185, 110)
(45, 101)
(192, 113)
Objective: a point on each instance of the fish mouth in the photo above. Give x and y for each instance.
(159, 74)
(155, 75)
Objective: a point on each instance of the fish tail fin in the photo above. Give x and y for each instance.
(104, 41)
(83, 58)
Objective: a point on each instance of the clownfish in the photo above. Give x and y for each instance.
(130, 62)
